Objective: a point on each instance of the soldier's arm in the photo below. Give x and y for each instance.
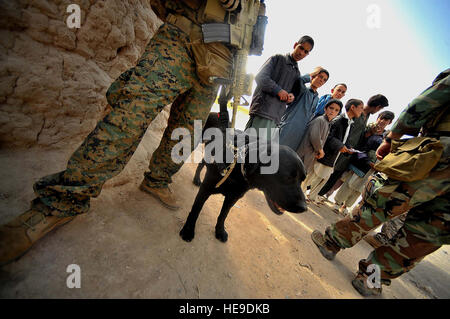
(418, 112)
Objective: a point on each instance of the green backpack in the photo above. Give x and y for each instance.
(411, 160)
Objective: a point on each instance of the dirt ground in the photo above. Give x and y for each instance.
(128, 245)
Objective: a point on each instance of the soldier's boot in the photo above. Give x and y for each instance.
(326, 246)
(360, 283)
(376, 240)
(163, 194)
(19, 235)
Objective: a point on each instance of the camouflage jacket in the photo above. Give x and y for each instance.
(427, 110)
(429, 114)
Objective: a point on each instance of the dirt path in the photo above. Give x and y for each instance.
(128, 246)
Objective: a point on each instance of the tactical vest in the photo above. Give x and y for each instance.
(217, 28)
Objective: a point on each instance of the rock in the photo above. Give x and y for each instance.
(36, 20)
(49, 8)
(6, 39)
(64, 37)
(53, 79)
(7, 86)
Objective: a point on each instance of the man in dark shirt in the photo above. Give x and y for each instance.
(275, 82)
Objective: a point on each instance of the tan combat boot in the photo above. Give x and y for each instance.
(19, 235)
(164, 194)
(361, 285)
(326, 248)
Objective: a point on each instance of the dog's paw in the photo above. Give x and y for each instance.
(196, 181)
(187, 234)
(222, 235)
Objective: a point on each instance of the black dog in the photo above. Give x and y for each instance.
(211, 121)
(281, 189)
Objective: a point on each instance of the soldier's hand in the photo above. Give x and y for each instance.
(230, 5)
(383, 150)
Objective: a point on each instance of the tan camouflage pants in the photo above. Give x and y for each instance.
(426, 228)
(164, 74)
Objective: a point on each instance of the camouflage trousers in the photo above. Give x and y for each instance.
(164, 74)
(426, 227)
(392, 226)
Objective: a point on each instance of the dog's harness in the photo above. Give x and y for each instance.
(238, 152)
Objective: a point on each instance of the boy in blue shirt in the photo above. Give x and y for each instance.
(300, 112)
(338, 92)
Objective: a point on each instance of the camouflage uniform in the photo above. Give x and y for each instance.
(166, 73)
(390, 229)
(426, 227)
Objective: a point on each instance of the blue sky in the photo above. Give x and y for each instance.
(429, 20)
(399, 59)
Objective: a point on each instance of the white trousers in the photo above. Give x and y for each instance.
(316, 179)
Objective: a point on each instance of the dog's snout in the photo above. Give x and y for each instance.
(301, 208)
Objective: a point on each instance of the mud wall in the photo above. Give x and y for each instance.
(53, 78)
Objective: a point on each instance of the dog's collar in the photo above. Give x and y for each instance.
(238, 152)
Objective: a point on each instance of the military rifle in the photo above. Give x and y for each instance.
(244, 31)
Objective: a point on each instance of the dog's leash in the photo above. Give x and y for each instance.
(237, 151)
(229, 169)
